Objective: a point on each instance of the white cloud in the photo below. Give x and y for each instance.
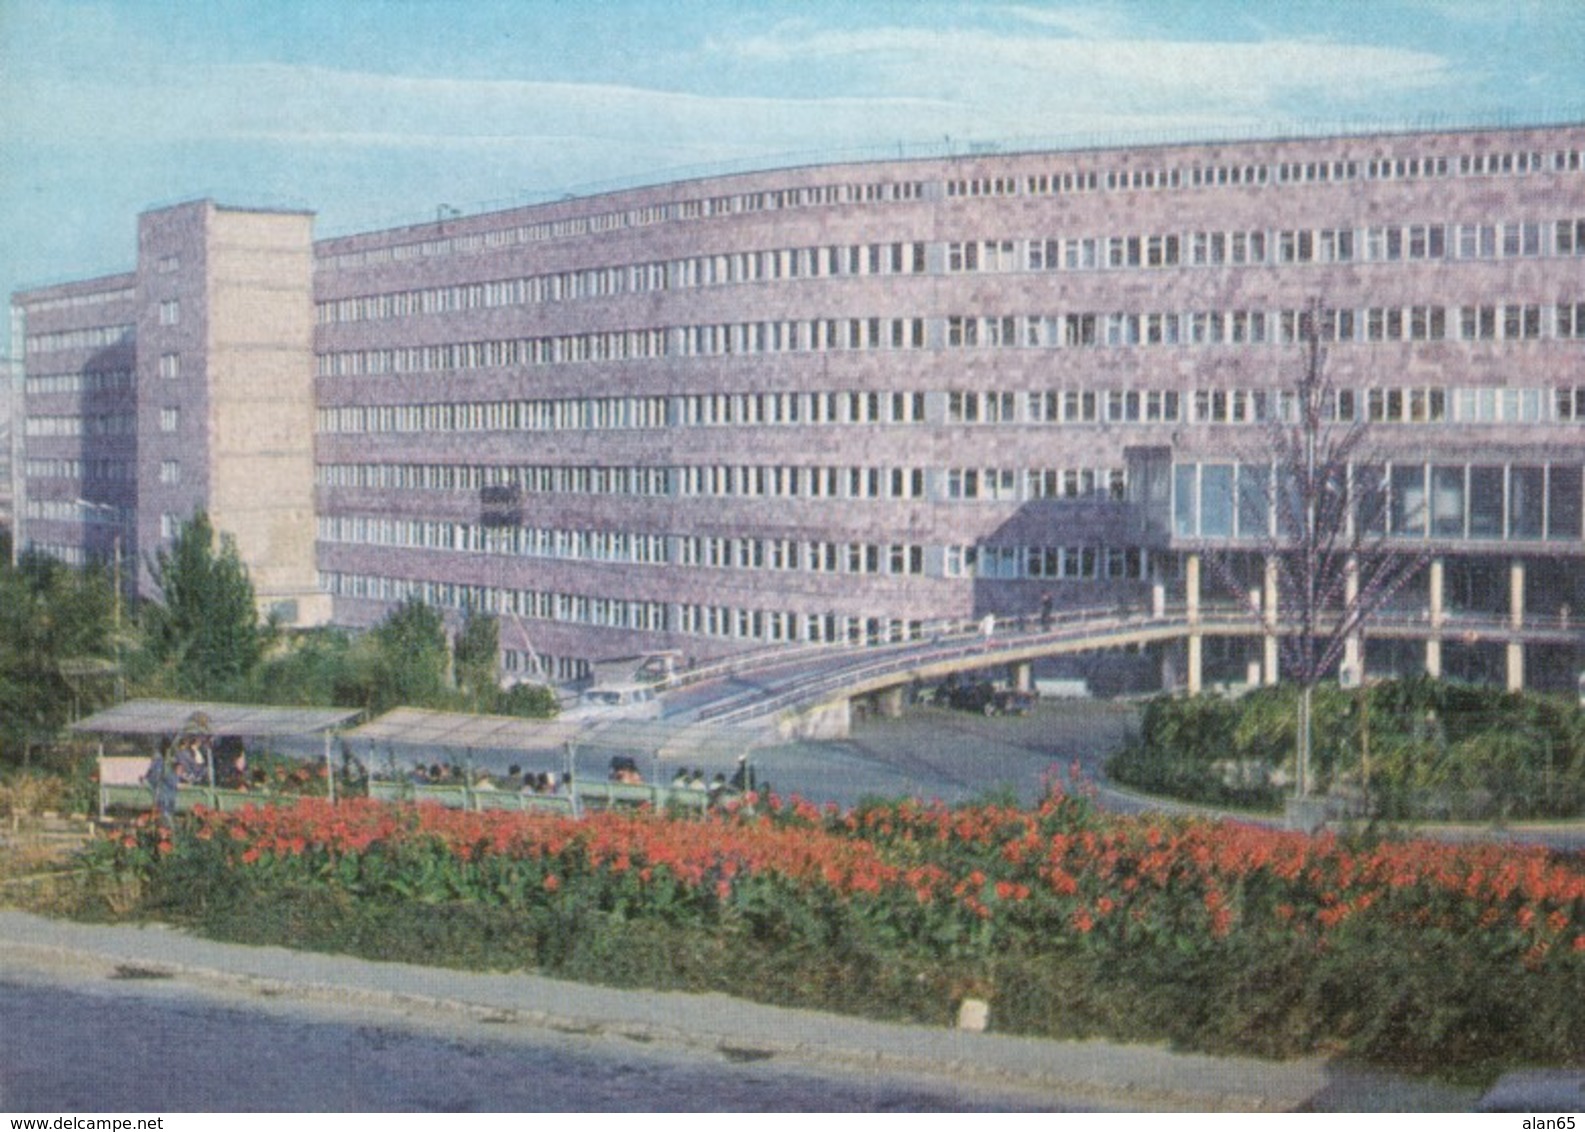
(1085, 23)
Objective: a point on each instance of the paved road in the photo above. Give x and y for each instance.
(122, 1018)
(164, 1045)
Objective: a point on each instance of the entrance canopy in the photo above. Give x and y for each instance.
(252, 721)
(417, 727)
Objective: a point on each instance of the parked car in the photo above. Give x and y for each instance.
(984, 697)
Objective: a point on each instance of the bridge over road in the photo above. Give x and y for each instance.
(810, 688)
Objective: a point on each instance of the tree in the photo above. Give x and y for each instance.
(410, 657)
(55, 647)
(205, 626)
(1326, 536)
(477, 655)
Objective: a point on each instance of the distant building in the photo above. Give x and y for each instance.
(7, 503)
(839, 402)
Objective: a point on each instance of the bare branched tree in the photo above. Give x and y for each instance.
(1325, 499)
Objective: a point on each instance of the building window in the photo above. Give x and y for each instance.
(170, 419)
(170, 471)
(170, 366)
(170, 312)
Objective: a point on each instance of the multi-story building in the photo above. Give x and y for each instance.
(7, 440)
(838, 402)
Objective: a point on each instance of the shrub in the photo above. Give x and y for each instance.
(1213, 936)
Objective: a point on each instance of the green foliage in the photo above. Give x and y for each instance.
(402, 661)
(410, 657)
(1219, 937)
(312, 668)
(1416, 748)
(205, 629)
(56, 649)
(476, 655)
(1206, 748)
(530, 701)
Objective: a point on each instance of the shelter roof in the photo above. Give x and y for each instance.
(169, 717)
(422, 728)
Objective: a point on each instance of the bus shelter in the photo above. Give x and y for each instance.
(206, 732)
(569, 746)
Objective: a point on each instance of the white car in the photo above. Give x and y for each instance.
(616, 701)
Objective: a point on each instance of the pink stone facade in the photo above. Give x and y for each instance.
(842, 401)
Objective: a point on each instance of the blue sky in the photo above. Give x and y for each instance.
(373, 113)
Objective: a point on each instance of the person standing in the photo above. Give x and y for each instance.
(163, 779)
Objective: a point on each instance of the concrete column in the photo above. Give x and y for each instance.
(1023, 678)
(889, 703)
(1433, 644)
(1269, 652)
(1354, 646)
(1191, 597)
(1516, 596)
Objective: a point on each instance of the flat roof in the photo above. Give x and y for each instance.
(169, 717)
(417, 727)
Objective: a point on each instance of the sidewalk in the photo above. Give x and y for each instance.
(1092, 1073)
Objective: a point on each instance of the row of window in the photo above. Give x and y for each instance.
(110, 471)
(539, 479)
(1335, 170)
(88, 381)
(1326, 245)
(527, 542)
(594, 346)
(573, 414)
(1376, 244)
(667, 275)
(580, 609)
(80, 511)
(1052, 563)
(789, 481)
(1412, 405)
(86, 338)
(1427, 323)
(1409, 500)
(1194, 175)
(1510, 321)
(90, 424)
(72, 302)
(556, 669)
(767, 200)
(820, 556)
(734, 622)
(1005, 484)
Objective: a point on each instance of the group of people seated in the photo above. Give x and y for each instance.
(524, 782)
(624, 771)
(438, 774)
(541, 782)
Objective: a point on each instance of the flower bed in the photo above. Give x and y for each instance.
(1214, 935)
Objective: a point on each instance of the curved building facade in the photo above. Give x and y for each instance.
(840, 402)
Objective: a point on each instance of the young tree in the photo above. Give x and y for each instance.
(477, 655)
(206, 625)
(410, 657)
(1326, 535)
